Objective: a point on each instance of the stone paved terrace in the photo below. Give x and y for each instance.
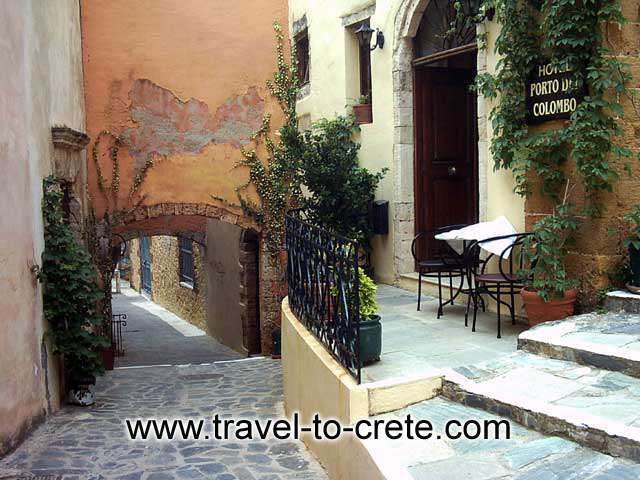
(416, 343)
(90, 443)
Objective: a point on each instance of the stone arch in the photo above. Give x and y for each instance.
(172, 218)
(192, 221)
(407, 21)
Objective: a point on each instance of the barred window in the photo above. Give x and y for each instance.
(185, 246)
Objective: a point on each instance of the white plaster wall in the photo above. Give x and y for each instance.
(334, 83)
(41, 85)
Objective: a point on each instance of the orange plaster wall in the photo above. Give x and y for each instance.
(200, 64)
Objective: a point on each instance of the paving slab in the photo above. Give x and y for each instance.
(417, 342)
(622, 300)
(155, 336)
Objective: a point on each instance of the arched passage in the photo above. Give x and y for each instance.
(227, 247)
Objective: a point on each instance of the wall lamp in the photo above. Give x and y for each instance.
(364, 34)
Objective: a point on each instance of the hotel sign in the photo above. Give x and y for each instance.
(551, 94)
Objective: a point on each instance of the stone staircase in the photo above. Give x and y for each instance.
(593, 407)
(526, 455)
(577, 378)
(610, 341)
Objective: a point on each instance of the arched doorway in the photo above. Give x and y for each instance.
(446, 129)
(418, 45)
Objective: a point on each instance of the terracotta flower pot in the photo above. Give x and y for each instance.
(539, 311)
(363, 113)
(108, 358)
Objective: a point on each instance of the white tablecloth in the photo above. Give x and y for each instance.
(481, 231)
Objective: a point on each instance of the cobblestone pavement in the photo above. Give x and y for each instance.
(155, 336)
(91, 443)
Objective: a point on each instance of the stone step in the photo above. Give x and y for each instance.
(596, 408)
(526, 454)
(622, 301)
(609, 341)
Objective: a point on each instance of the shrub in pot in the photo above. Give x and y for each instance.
(549, 293)
(341, 191)
(632, 242)
(370, 328)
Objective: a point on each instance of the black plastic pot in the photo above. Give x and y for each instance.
(370, 340)
(634, 260)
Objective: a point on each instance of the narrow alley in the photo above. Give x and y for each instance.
(155, 336)
(190, 376)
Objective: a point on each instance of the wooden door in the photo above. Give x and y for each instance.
(446, 179)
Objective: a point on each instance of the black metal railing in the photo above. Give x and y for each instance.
(322, 276)
(118, 321)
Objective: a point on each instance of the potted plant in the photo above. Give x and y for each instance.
(362, 110)
(632, 242)
(549, 293)
(108, 357)
(370, 328)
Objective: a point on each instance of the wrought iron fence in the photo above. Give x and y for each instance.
(118, 321)
(322, 276)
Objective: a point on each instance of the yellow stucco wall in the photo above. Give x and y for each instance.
(314, 383)
(334, 85)
(184, 83)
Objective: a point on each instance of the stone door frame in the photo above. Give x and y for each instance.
(406, 25)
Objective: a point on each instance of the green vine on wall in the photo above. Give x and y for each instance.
(70, 293)
(277, 179)
(99, 232)
(570, 33)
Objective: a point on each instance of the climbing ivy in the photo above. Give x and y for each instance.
(570, 32)
(276, 179)
(99, 231)
(70, 291)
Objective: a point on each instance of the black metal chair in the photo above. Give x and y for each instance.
(507, 281)
(448, 263)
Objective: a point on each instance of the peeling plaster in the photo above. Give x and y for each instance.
(166, 125)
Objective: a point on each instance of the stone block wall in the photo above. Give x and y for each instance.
(599, 247)
(133, 247)
(166, 289)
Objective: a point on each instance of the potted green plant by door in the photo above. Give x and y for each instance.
(362, 110)
(549, 293)
(370, 328)
(632, 242)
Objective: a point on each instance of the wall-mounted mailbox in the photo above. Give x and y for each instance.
(380, 217)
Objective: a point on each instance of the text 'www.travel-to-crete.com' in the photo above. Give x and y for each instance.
(218, 428)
